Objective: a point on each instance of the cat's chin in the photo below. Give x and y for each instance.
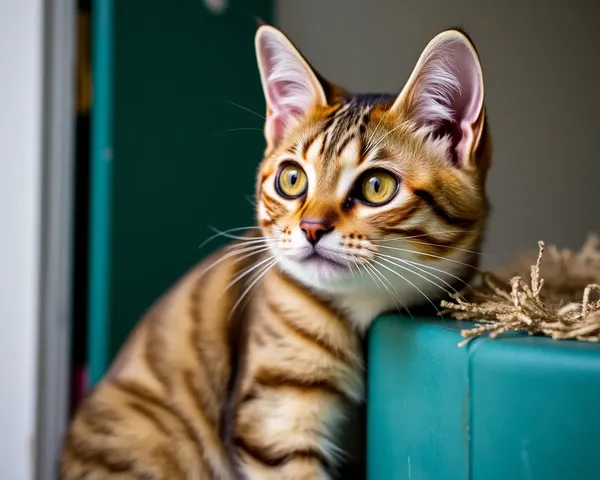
(322, 265)
(320, 273)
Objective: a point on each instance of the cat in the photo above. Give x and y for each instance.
(249, 366)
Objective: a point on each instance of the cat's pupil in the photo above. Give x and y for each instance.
(375, 183)
(293, 178)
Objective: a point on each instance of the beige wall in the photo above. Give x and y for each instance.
(541, 63)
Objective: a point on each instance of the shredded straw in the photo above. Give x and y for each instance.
(561, 300)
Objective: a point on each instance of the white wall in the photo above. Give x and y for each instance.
(541, 64)
(20, 180)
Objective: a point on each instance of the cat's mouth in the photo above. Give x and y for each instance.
(316, 259)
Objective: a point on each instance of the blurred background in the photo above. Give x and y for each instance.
(127, 130)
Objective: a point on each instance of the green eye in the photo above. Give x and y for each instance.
(377, 187)
(291, 181)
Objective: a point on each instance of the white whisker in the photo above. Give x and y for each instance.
(429, 267)
(247, 271)
(242, 242)
(264, 248)
(437, 232)
(350, 269)
(238, 243)
(392, 260)
(227, 234)
(395, 298)
(460, 249)
(366, 265)
(411, 283)
(410, 239)
(220, 233)
(254, 249)
(415, 252)
(378, 277)
(229, 130)
(246, 108)
(419, 242)
(358, 269)
(412, 271)
(261, 273)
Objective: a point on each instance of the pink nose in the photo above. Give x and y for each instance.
(314, 230)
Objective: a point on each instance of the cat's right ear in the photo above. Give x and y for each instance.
(290, 86)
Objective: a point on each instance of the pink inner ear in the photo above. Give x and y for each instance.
(451, 96)
(276, 91)
(282, 114)
(279, 92)
(288, 82)
(469, 99)
(279, 121)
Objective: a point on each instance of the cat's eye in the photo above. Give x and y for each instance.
(376, 187)
(291, 181)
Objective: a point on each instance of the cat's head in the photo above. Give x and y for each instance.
(374, 191)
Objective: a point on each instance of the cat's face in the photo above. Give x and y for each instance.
(373, 191)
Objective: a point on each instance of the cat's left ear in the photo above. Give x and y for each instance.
(291, 87)
(444, 95)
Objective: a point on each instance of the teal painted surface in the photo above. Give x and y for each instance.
(101, 188)
(183, 156)
(417, 386)
(519, 408)
(535, 410)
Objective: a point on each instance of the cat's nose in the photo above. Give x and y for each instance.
(314, 230)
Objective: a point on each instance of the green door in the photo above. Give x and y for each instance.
(171, 152)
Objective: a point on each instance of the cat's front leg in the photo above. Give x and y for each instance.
(289, 432)
(295, 394)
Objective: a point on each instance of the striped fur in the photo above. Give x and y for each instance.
(251, 365)
(177, 405)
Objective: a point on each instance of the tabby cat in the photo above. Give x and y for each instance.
(250, 365)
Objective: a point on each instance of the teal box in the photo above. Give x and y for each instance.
(513, 408)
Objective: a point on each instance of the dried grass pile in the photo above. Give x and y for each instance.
(561, 298)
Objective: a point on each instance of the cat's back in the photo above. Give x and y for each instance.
(158, 408)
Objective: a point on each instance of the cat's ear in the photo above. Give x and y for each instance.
(444, 95)
(291, 87)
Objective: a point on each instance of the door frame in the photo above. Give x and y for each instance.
(58, 121)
